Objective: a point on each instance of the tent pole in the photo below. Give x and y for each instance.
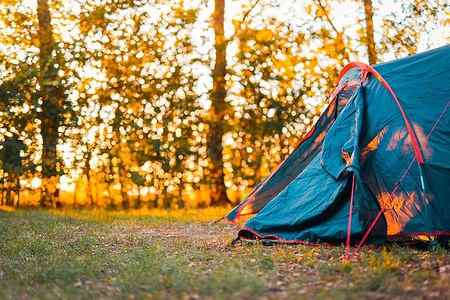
(349, 224)
(369, 230)
(369, 69)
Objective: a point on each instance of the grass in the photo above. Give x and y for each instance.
(178, 255)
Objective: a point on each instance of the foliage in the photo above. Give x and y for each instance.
(136, 78)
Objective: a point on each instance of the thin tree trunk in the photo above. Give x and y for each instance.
(167, 198)
(259, 158)
(52, 102)
(371, 49)
(89, 189)
(75, 196)
(180, 202)
(87, 172)
(18, 191)
(110, 180)
(9, 199)
(138, 203)
(123, 193)
(215, 148)
(152, 200)
(3, 189)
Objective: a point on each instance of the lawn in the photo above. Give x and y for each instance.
(180, 255)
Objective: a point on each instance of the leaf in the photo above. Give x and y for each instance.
(137, 178)
(264, 36)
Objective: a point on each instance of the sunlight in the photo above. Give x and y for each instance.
(36, 183)
(139, 86)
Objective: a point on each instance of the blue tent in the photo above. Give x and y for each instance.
(376, 164)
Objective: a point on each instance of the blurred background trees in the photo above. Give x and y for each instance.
(130, 104)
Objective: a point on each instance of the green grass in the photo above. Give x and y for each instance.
(179, 255)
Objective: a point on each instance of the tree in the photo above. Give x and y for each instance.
(11, 166)
(136, 75)
(218, 108)
(370, 41)
(52, 102)
(146, 95)
(405, 29)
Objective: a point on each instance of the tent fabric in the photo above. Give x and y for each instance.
(389, 127)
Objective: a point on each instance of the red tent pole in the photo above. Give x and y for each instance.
(365, 68)
(369, 230)
(349, 224)
(396, 185)
(369, 69)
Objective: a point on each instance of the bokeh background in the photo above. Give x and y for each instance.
(132, 104)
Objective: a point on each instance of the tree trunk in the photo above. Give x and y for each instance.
(2, 181)
(110, 180)
(90, 195)
(87, 172)
(17, 186)
(9, 197)
(218, 190)
(180, 202)
(371, 50)
(166, 198)
(123, 192)
(75, 196)
(51, 103)
(138, 203)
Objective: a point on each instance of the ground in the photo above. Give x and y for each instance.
(180, 255)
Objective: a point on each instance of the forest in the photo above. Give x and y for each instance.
(172, 104)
